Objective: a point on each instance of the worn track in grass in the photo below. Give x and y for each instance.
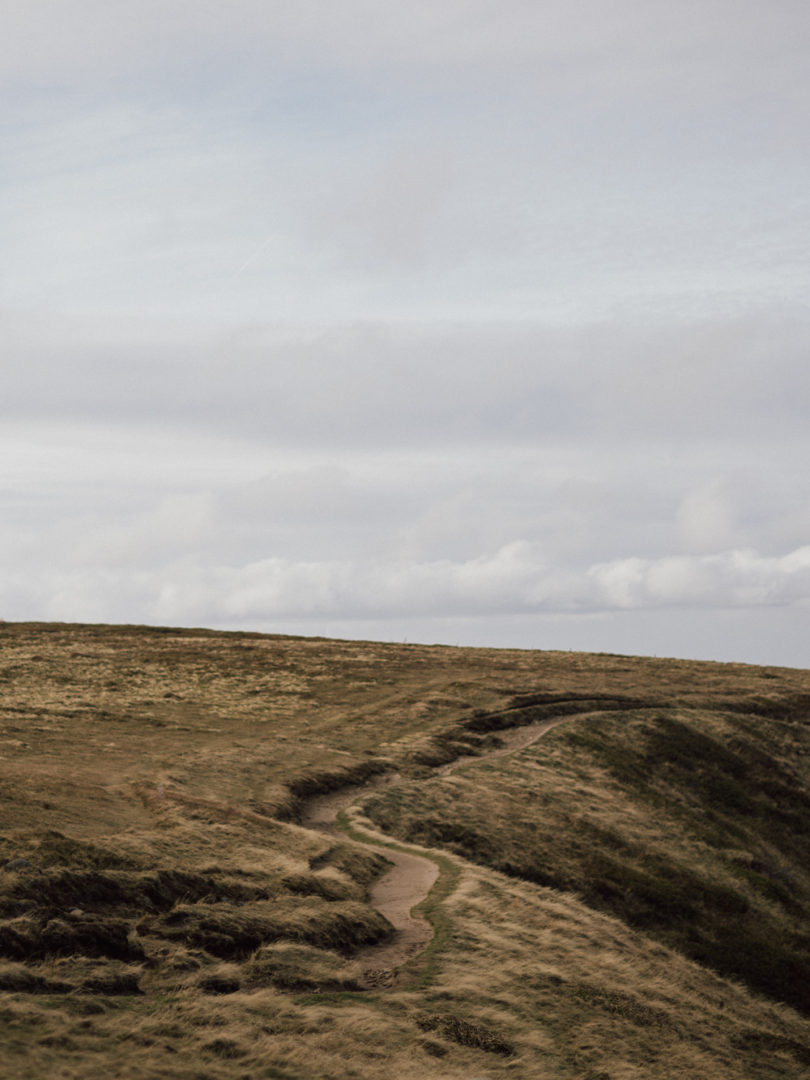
(411, 876)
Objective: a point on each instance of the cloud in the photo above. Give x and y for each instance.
(383, 385)
(727, 579)
(54, 41)
(343, 161)
(515, 580)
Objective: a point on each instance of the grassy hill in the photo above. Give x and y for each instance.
(627, 897)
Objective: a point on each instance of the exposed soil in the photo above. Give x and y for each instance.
(411, 876)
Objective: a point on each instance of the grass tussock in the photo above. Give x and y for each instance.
(300, 968)
(358, 863)
(32, 938)
(62, 890)
(20, 979)
(229, 931)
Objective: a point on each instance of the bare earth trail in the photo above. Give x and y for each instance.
(411, 876)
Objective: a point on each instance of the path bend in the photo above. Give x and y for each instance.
(411, 877)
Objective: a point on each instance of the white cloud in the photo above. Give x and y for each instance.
(515, 580)
(728, 579)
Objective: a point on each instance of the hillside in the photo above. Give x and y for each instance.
(624, 895)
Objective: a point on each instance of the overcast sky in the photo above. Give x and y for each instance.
(460, 321)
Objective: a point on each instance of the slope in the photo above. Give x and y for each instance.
(163, 913)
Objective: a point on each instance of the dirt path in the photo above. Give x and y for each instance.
(412, 876)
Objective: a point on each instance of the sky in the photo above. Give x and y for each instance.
(456, 321)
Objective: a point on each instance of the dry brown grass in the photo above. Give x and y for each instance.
(691, 825)
(164, 916)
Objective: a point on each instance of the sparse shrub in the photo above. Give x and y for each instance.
(464, 1032)
(625, 1005)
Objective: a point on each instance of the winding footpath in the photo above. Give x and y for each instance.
(411, 876)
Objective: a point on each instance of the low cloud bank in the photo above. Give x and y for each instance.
(515, 580)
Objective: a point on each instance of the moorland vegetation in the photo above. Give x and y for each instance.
(626, 896)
